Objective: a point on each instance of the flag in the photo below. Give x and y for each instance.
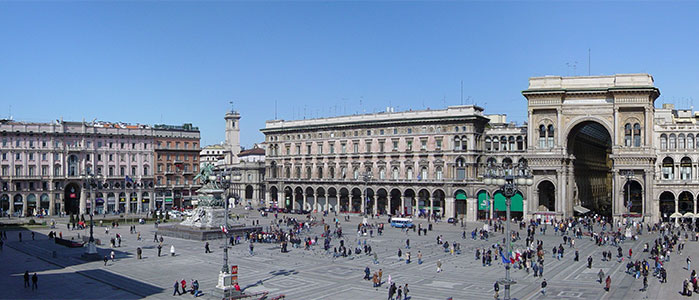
(419, 176)
(128, 179)
(224, 229)
(504, 260)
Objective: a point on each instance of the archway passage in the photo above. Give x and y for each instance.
(460, 203)
(547, 196)
(591, 145)
(667, 206)
(248, 192)
(72, 198)
(633, 196)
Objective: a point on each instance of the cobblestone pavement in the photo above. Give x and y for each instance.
(302, 274)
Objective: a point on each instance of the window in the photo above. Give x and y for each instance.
(637, 135)
(368, 146)
(409, 173)
(382, 173)
(44, 170)
(460, 169)
(332, 148)
(663, 142)
(133, 171)
(343, 146)
(395, 173)
(111, 157)
(381, 132)
(457, 143)
(520, 143)
(503, 143)
(355, 174)
(542, 136)
(409, 145)
(298, 149)
(320, 173)
(680, 141)
(690, 141)
(355, 147)
(381, 146)
(423, 174)
(308, 149)
(410, 130)
(31, 171)
(395, 130)
(438, 173)
(308, 172)
(111, 171)
(667, 168)
(99, 170)
(438, 144)
(395, 145)
(343, 172)
(673, 141)
(686, 169)
(488, 144)
(18, 171)
(464, 143)
(57, 170)
(496, 143)
(331, 172)
(99, 157)
(18, 156)
(5, 170)
(320, 148)
(31, 156)
(550, 135)
(368, 132)
(627, 135)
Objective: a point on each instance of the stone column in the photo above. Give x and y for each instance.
(52, 204)
(471, 209)
(83, 202)
(139, 205)
(363, 205)
(128, 202)
(281, 201)
(677, 205)
(268, 196)
(304, 198)
(402, 204)
(376, 204)
(449, 207)
(12, 204)
(25, 205)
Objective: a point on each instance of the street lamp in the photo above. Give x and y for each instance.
(91, 249)
(508, 178)
(367, 176)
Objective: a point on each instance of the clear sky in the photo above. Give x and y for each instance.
(183, 62)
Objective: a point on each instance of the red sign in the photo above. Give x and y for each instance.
(234, 270)
(72, 196)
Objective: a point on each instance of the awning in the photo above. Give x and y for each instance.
(689, 215)
(580, 209)
(676, 215)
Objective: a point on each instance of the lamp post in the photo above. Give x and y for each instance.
(508, 178)
(367, 177)
(628, 175)
(91, 249)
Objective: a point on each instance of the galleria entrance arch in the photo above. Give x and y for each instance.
(586, 135)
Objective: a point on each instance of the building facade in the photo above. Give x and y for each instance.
(212, 154)
(176, 152)
(593, 143)
(75, 167)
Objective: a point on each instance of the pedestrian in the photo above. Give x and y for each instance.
(645, 283)
(206, 248)
(184, 286)
(601, 276)
(496, 288)
(177, 288)
(35, 279)
(589, 262)
(400, 255)
(105, 260)
(391, 291)
(155, 237)
(689, 263)
(172, 250)
(399, 294)
(419, 257)
(160, 248)
(439, 265)
(26, 279)
(608, 284)
(251, 249)
(139, 251)
(543, 287)
(32, 235)
(405, 291)
(367, 273)
(407, 244)
(112, 255)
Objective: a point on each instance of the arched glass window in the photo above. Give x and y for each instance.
(550, 135)
(511, 141)
(496, 143)
(355, 174)
(438, 173)
(331, 172)
(460, 169)
(395, 173)
(668, 169)
(690, 141)
(663, 142)
(382, 173)
(686, 168)
(464, 143)
(320, 173)
(627, 135)
(343, 172)
(542, 136)
(423, 173)
(488, 144)
(457, 143)
(503, 143)
(520, 143)
(288, 172)
(637, 135)
(409, 173)
(673, 141)
(309, 172)
(680, 141)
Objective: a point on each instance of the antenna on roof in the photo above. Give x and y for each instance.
(275, 109)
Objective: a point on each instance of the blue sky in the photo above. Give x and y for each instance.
(183, 62)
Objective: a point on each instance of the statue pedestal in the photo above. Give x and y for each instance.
(206, 217)
(91, 252)
(225, 285)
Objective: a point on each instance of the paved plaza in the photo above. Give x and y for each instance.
(312, 274)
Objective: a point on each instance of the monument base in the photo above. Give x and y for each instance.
(225, 288)
(203, 234)
(91, 253)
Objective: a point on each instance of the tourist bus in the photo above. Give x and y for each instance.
(402, 223)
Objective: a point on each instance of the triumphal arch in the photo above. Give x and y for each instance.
(590, 145)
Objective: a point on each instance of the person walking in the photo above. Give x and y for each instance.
(172, 251)
(439, 265)
(112, 255)
(419, 257)
(26, 279)
(405, 292)
(155, 237)
(601, 276)
(391, 291)
(35, 279)
(139, 252)
(160, 248)
(251, 249)
(400, 255)
(543, 287)
(608, 283)
(105, 260)
(177, 288)
(496, 289)
(407, 244)
(589, 262)
(206, 248)
(689, 263)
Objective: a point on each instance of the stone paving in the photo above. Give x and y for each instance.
(301, 274)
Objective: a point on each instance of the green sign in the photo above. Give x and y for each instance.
(483, 201)
(168, 199)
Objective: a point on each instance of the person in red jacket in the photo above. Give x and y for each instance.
(184, 285)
